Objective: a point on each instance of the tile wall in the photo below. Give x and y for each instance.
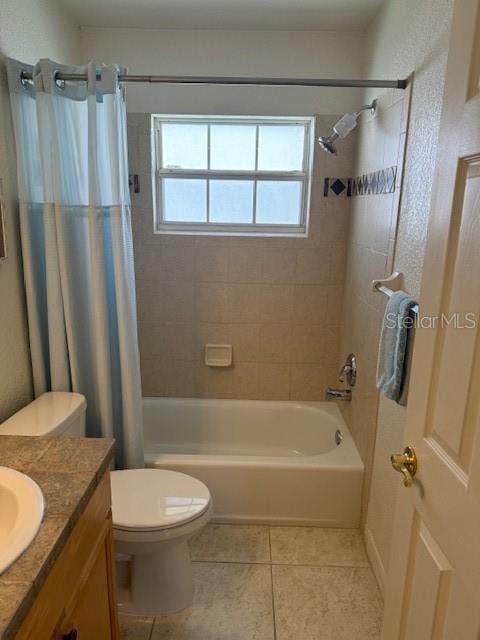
(276, 300)
(371, 247)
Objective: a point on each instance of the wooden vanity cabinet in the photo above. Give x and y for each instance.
(77, 600)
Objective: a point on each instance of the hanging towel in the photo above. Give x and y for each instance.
(391, 366)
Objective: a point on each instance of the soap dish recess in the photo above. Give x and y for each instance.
(218, 355)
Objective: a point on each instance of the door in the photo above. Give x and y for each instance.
(433, 587)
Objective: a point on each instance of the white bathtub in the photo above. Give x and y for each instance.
(264, 462)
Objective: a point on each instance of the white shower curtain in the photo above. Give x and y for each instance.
(77, 244)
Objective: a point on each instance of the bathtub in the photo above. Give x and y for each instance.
(264, 462)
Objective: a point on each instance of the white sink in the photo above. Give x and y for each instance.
(21, 513)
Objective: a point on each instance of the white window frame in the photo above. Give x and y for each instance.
(162, 226)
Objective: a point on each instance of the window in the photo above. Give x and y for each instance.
(232, 175)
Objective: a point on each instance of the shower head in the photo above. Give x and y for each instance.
(327, 143)
(343, 127)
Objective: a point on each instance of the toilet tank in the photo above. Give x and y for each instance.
(56, 413)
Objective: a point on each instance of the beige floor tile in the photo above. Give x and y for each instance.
(232, 602)
(135, 628)
(317, 546)
(231, 543)
(326, 603)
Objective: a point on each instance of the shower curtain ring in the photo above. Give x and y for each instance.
(25, 82)
(58, 81)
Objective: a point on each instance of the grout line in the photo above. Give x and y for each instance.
(273, 605)
(287, 564)
(150, 635)
(322, 566)
(271, 583)
(259, 564)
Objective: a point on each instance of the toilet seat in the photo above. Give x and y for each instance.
(156, 500)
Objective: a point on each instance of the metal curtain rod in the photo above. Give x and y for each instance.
(275, 82)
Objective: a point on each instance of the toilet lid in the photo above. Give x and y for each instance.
(150, 499)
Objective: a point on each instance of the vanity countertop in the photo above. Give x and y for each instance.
(68, 471)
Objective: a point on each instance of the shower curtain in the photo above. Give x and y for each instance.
(77, 244)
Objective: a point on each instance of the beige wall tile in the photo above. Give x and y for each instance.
(211, 259)
(334, 306)
(169, 340)
(245, 302)
(338, 260)
(173, 378)
(144, 199)
(260, 302)
(275, 343)
(239, 381)
(307, 381)
(166, 302)
(261, 264)
(174, 261)
(244, 338)
(211, 302)
(273, 381)
(277, 301)
(309, 304)
(313, 266)
(308, 343)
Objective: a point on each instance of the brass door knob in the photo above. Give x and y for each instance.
(405, 463)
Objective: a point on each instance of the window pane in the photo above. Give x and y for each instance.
(278, 202)
(184, 200)
(184, 146)
(231, 201)
(232, 147)
(280, 147)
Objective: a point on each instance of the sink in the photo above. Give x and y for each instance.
(21, 513)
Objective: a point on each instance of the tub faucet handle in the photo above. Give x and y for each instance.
(348, 373)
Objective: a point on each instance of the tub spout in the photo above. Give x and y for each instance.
(338, 394)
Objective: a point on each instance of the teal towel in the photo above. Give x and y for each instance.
(391, 366)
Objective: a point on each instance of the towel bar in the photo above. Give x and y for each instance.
(395, 281)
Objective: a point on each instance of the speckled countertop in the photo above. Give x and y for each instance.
(68, 471)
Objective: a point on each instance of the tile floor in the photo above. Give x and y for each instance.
(273, 583)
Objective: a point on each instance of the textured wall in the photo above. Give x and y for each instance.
(276, 300)
(29, 30)
(407, 36)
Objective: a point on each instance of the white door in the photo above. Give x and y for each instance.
(433, 587)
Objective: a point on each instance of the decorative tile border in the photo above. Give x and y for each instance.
(337, 187)
(374, 183)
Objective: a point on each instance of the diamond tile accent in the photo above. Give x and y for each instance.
(336, 187)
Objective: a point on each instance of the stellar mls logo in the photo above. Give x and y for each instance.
(443, 321)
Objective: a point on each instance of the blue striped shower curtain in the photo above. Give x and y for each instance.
(77, 244)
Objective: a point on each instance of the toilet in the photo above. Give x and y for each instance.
(155, 513)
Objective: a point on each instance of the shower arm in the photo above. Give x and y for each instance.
(372, 107)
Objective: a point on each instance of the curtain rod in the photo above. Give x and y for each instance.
(275, 82)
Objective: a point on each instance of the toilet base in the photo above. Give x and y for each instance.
(160, 583)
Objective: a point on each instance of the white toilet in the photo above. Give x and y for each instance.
(155, 512)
